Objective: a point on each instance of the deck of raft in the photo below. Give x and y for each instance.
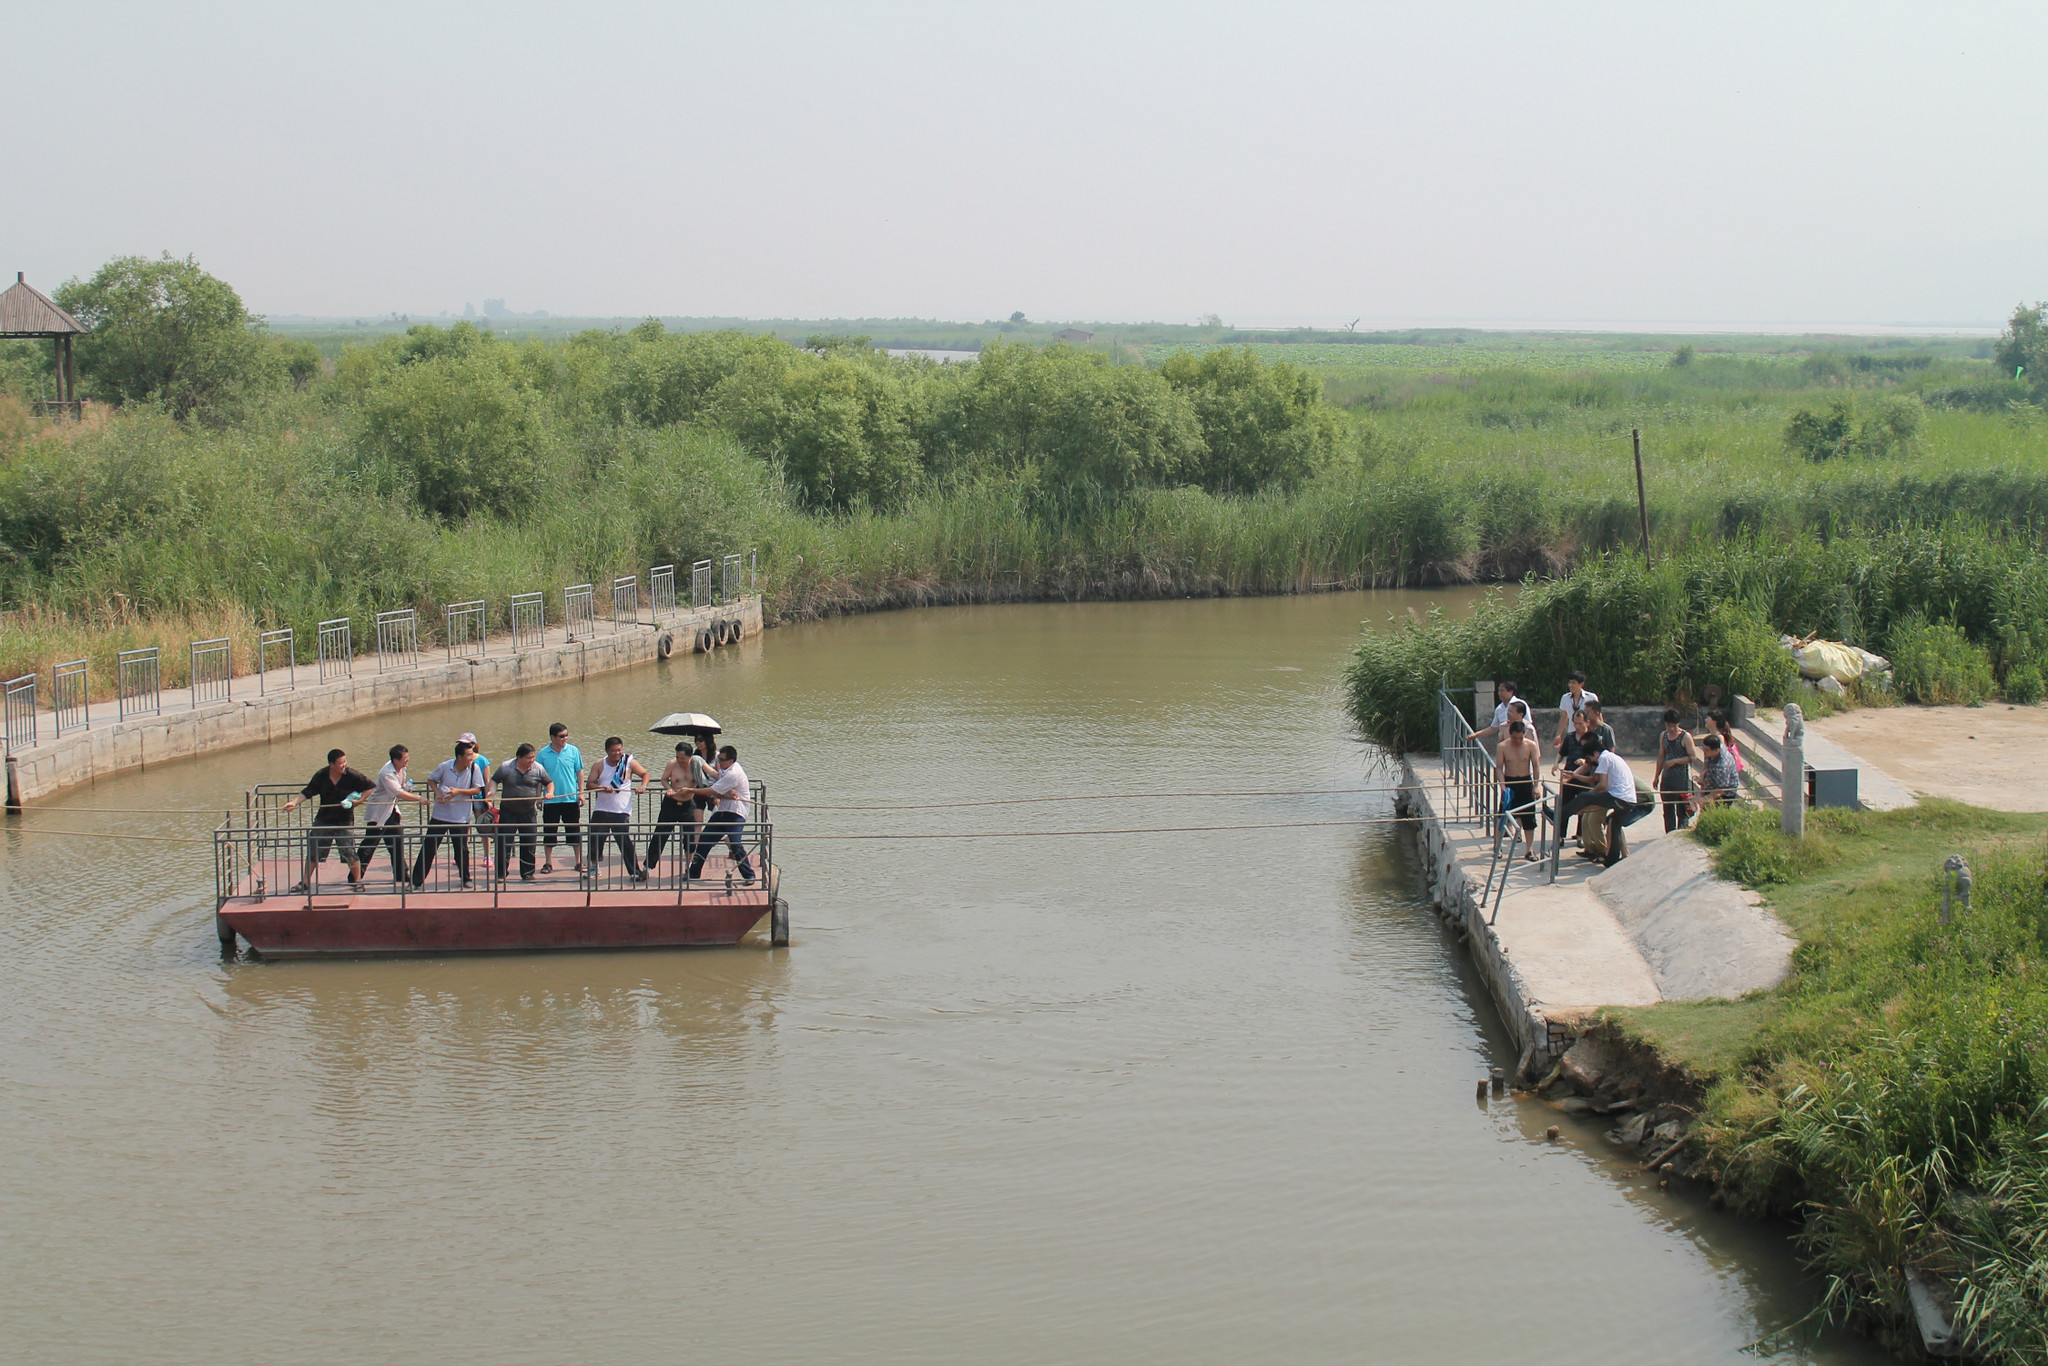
(1659, 926)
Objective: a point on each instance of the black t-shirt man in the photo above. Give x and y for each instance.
(331, 791)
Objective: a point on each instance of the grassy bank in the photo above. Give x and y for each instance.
(1890, 1095)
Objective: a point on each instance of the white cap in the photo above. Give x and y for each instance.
(467, 737)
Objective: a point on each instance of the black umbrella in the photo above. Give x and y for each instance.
(685, 723)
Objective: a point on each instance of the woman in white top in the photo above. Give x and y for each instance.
(380, 813)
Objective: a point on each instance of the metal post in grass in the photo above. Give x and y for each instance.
(1955, 883)
(1635, 436)
(1792, 773)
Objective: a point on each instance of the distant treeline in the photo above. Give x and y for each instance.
(231, 472)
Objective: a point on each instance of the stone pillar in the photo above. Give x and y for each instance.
(1482, 704)
(1792, 765)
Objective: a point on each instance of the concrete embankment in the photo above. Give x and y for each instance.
(1659, 926)
(280, 704)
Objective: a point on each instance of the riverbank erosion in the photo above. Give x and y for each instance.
(182, 724)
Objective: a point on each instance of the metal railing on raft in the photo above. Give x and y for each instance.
(262, 854)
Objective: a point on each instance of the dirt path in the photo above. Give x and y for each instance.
(1994, 755)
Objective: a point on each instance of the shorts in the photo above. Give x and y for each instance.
(321, 838)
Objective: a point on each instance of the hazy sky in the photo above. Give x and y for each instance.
(1549, 163)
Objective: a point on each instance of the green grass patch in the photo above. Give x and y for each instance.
(1891, 1091)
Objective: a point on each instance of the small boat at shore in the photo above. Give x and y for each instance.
(451, 912)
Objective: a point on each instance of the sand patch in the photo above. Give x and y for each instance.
(1993, 756)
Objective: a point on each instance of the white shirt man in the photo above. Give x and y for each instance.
(728, 820)
(1621, 779)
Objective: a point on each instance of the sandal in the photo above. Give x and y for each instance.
(548, 867)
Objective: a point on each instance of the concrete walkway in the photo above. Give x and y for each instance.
(1659, 926)
(263, 708)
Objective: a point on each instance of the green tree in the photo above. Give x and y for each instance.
(167, 331)
(840, 427)
(1075, 428)
(458, 433)
(1263, 426)
(2024, 346)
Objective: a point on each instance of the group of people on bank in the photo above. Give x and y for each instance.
(540, 792)
(1595, 782)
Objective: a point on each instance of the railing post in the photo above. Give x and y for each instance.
(398, 639)
(465, 629)
(138, 678)
(579, 611)
(20, 709)
(529, 620)
(336, 653)
(211, 676)
(280, 639)
(71, 697)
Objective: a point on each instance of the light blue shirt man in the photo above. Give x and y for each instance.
(564, 763)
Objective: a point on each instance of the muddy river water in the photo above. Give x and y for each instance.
(1199, 1097)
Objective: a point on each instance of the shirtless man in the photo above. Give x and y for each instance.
(1517, 761)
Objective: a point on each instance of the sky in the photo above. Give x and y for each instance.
(1555, 164)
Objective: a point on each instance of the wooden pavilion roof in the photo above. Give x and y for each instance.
(26, 311)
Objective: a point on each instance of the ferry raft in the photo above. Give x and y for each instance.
(261, 852)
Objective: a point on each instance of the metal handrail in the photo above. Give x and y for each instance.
(730, 579)
(465, 629)
(283, 639)
(262, 855)
(138, 675)
(625, 600)
(211, 676)
(661, 591)
(398, 639)
(1467, 768)
(20, 713)
(71, 696)
(579, 610)
(336, 651)
(700, 584)
(529, 613)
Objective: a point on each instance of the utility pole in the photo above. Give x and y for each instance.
(1642, 504)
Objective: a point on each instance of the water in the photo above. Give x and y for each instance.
(1196, 1097)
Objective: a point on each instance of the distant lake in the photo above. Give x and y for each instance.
(942, 357)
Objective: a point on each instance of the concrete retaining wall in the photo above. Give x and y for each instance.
(1454, 893)
(113, 747)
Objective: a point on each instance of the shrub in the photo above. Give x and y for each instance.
(2023, 686)
(1934, 662)
(1755, 857)
(1735, 649)
(1717, 823)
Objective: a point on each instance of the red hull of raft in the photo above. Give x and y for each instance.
(553, 912)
